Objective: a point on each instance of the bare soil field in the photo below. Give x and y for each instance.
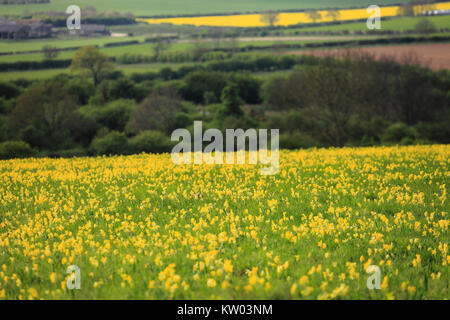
(434, 56)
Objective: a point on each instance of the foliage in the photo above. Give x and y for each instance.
(93, 63)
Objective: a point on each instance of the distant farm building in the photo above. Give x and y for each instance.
(94, 29)
(24, 30)
(436, 13)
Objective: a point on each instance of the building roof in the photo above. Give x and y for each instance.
(13, 27)
(93, 28)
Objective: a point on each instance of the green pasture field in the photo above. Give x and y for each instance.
(142, 48)
(67, 42)
(49, 73)
(183, 7)
(394, 24)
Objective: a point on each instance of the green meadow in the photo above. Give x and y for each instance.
(183, 7)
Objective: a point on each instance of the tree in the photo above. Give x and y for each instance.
(232, 100)
(50, 52)
(199, 82)
(89, 12)
(331, 97)
(313, 15)
(406, 10)
(157, 112)
(421, 6)
(92, 62)
(44, 115)
(425, 26)
(270, 17)
(199, 48)
(161, 45)
(333, 14)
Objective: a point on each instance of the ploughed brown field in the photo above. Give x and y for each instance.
(434, 56)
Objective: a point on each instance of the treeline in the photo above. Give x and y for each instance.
(357, 101)
(108, 21)
(34, 65)
(205, 54)
(352, 100)
(23, 1)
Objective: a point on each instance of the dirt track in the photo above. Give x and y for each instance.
(434, 56)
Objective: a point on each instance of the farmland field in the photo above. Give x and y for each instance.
(434, 56)
(141, 227)
(178, 7)
(394, 24)
(285, 18)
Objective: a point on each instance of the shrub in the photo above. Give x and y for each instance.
(15, 149)
(296, 140)
(115, 115)
(151, 142)
(425, 26)
(8, 90)
(399, 131)
(110, 144)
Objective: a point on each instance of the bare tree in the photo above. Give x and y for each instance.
(333, 14)
(217, 35)
(270, 17)
(161, 45)
(200, 47)
(313, 15)
(50, 52)
(233, 44)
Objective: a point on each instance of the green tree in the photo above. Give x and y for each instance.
(90, 61)
(425, 26)
(50, 52)
(157, 112)
(44, 115)
(232, 100)
(161, 45)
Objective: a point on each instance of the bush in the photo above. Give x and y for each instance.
(296, 140)
(111, 144)
(68, 153)
(425, 26)
(115, 115)
(8, 90)
(151, 142)
(398, 132)
(15, 149)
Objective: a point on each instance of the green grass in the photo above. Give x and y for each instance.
(394, 24)
(49, 73)
(140, 227)
(142, 48)
(178, 7)
(31, 75)
(37, 44)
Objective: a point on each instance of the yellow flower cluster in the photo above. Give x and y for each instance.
(142, 227)
(285, 18)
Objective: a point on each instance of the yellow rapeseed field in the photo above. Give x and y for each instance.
(141, 227)
(285, 19)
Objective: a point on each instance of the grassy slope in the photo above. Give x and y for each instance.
(395, 24)
(143, 48)
(178, 7)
